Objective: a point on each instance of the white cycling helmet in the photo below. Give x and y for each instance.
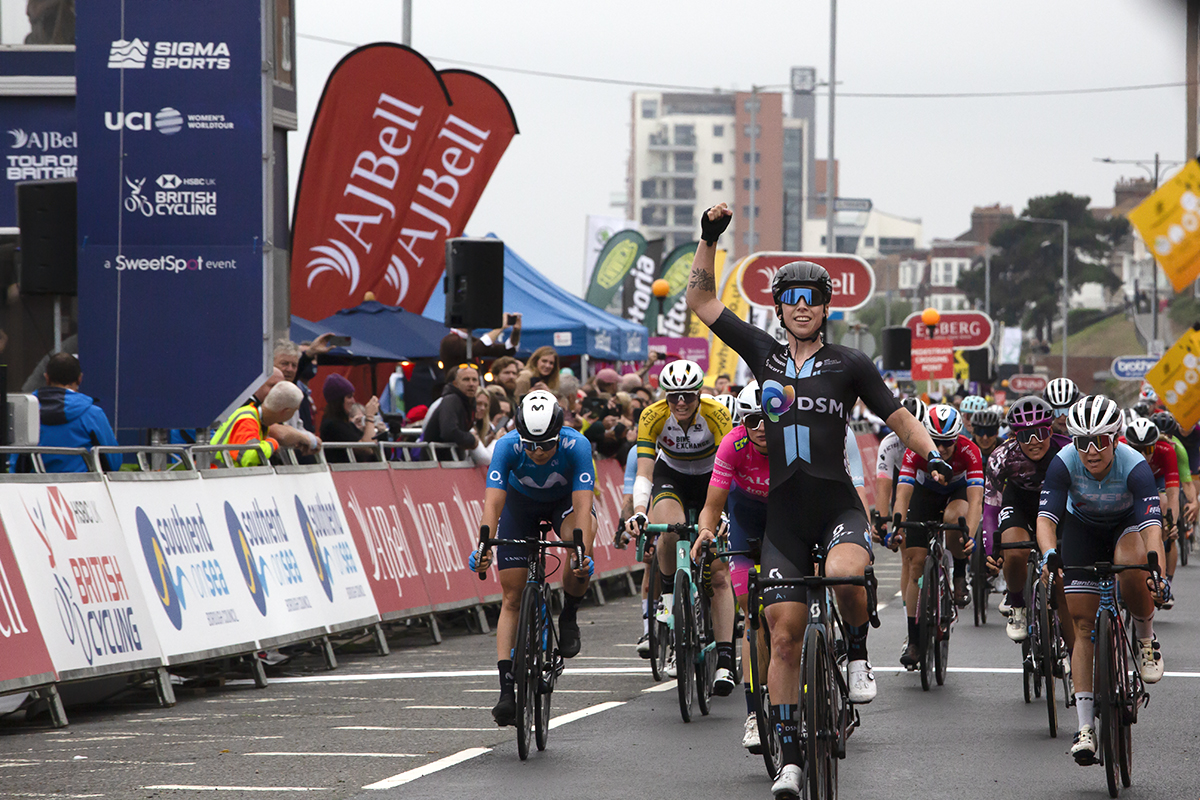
(1061, 392)
(539, 418)
(1147, 393)
(730, 403)
(749, 401)
(1141, 432)
(916, 406)
(972, 403)
(681, 376)
(1094, 415)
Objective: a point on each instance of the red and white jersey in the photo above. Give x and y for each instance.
(966, 464)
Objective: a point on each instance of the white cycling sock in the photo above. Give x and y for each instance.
(1085, 706)
(1144, 628)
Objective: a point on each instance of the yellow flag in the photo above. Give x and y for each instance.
(1176, 379)
(962, 370)
(1169, 222)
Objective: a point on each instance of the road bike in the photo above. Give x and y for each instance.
(661, 638)
(980, 588)
(537, 663)
(827, 715)
(1043, 650)
(936, 610)
(692, 634)
(1119, 691)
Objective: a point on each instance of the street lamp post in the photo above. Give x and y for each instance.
(1066, 289)
(830, 189)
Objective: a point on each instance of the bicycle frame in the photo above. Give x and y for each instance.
(935, 615)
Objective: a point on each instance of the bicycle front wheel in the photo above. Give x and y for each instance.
(545, 677)
(1047, 638)
(1107, 711)
(706, 664)
(926, 622)
(768, 736)
(525, 670)
(819, 735)
(658, 631)
(979, 582)
(685, 645)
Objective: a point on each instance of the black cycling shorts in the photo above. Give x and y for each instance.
(1083, 544)
(803, 512)
(1018, 509)
(521, 518)
(928, 506)
(690, 491)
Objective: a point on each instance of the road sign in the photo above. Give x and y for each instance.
(1132, 368)
(1027, 384)
(853, 278)
(932, 359)
(966, 330)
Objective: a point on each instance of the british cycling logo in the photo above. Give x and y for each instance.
(245, 557)
(171, 203)
(124, 54)
(314, 549)
(159, 569)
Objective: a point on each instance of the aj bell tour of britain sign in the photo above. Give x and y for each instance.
(853, 278)
(172, 192)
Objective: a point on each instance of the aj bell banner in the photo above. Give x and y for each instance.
(170, 114)
(38, 144)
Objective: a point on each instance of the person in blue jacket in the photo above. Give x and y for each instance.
(70, 418)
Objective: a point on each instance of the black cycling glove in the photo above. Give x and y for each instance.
(711, 230)
(938, 464)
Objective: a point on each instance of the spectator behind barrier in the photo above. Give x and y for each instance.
(298, 365)
(505, 370)
(541, 372)
(338, 426)
(452, 418)
(69, 419)
(249, 423)
(453, 348)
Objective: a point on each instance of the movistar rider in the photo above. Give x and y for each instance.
(541, 471)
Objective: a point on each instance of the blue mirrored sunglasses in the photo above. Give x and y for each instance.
(794, 294)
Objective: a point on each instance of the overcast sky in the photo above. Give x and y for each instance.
(929, 158)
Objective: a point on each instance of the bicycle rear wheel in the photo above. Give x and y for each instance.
(658, 645)
(941, 654)
(1047, 639)
(545, 677)
(685, 645)
(525, 672)
(979, 582)
(1127, 704)
(820, 755)
(926, 622)
(1107, 710)
(768, 737)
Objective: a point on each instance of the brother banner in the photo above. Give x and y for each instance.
(89, 604)
(172, 246)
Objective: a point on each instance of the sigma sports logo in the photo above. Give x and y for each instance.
(339, 259)
(159, 569)
(245, 557)
(314, 549)
(168, 55)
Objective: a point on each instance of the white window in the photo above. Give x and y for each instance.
(944, 272)
(911, 272)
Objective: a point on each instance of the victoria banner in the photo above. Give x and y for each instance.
(376, 123)
(468, 146)
(675, 269)
(173, 189)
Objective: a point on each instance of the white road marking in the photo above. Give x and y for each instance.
(472, 673)
(387, 728)
(178, 787)
(428, 769)
(342, 755)
(897, 594)
(450, 708)
(662, 687)
(583, 712)
(556, 691)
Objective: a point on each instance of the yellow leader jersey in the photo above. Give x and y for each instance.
(689, 447)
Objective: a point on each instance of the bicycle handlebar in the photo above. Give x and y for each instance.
(675, 527)
(930, 525)
(821, 581)
(486, 543)
(1106, 568)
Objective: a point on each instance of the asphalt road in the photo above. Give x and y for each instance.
(417, 722)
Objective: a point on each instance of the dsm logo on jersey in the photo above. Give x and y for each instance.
(160, 570)
(314, 549)
(245, 557)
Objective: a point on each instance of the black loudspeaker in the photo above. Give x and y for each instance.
(46, 216)
(977, 364)
(474, 283)
(897, 349)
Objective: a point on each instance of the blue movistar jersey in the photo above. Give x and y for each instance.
(630, 470)
(1128, 487)
(569, 471)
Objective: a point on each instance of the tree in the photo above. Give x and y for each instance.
(874, 314)
(1027, 273)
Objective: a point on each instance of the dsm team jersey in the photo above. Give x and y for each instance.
(571, 469)
(807, 405)
(1128, 487)
(686, 448)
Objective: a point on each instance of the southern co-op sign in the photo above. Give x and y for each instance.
(853, 278)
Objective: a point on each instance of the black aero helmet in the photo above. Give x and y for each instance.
(801, 272)
(1165, 421)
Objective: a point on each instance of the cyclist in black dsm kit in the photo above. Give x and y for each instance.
(808, 389)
